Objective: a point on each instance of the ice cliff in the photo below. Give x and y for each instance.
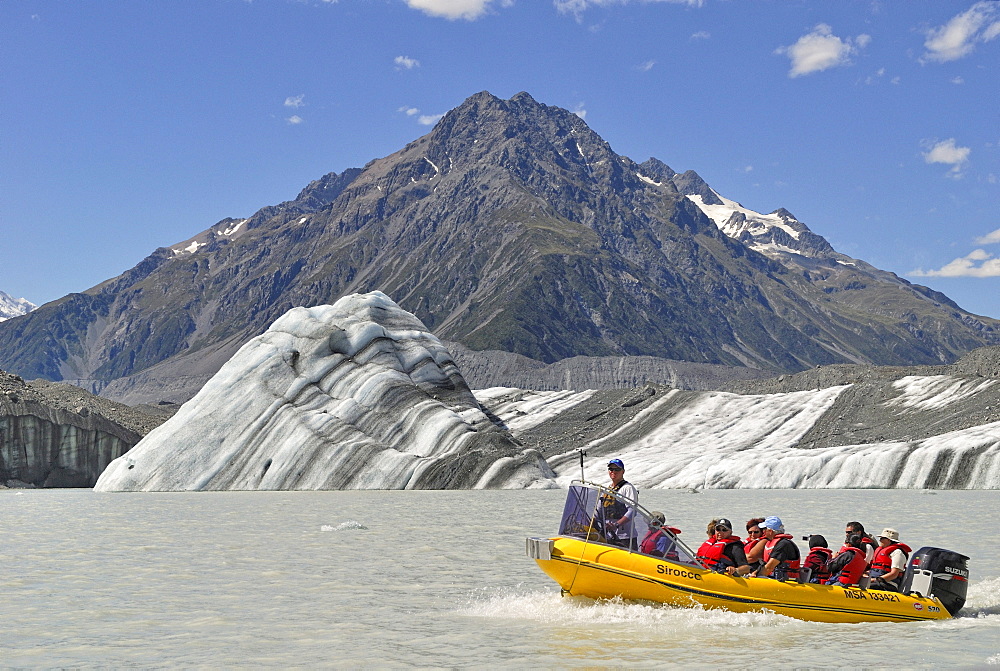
(58, 435)
(357, 395)
(914, 432)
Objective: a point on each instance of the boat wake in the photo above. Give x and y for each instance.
(554, 610)
(982, 607)
(983, 600)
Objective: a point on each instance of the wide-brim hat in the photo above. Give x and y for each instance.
(891, 534)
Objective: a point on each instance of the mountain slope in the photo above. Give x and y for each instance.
(510, 226)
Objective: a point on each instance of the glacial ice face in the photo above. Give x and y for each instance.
(718, 440)
(357, 395)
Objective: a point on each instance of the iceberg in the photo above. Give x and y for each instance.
(355, 395)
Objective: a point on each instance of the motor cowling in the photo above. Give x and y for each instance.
(940, 573)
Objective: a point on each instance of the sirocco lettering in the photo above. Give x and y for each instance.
(670, 570)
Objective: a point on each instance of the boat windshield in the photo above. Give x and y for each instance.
(592, 513)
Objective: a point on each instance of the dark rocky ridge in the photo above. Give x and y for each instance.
(512, 226)
(492, 368)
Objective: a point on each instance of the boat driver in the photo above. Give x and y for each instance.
(618, 514)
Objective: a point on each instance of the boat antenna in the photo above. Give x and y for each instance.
(583, 453)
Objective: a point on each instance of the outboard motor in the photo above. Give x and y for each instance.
(938, 572)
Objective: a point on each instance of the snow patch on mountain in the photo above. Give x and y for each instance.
(14, 307)
(754, 223)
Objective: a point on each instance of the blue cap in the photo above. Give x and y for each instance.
(616, 462)
(774, 523)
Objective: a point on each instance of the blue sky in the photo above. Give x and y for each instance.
(126, 126)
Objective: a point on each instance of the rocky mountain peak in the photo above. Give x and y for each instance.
(691, 184)
(511, 226)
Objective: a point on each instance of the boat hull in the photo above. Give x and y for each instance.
(596, 570)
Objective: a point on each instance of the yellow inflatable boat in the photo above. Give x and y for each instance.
(586, 562)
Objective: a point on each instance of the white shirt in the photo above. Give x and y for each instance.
(898, 559)
(628, 494)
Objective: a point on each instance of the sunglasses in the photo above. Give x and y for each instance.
(723, 529)
(614, 470)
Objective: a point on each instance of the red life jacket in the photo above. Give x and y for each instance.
(711, 552)
(648, 545)
(851, 574)
(865, 543)
(785, 569)
(816, 560)
(882, 561)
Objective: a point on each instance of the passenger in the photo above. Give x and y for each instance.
(710, 529)
(754, 535)
(889, 562)
(780, 553)
(657, 542)
(724, 553)
(867, 544)
(847, 568)
(817, 559)
(617, 514)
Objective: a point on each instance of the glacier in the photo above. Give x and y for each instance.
(720, 440)
(357, 395)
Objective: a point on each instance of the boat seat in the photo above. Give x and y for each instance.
(865, 581)
(805, 574)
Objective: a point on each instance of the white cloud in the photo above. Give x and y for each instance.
(958, 38)
(989, 239)
(958, 80)
(429, 119)
(577, 7)
(295, 101)
(295, 120)
(645, 67)
(469, 10)
(422, 119)
(406, 63)
(701, 35)
(871, 79)
(979, 263)
(947, 153)
(821, 50)
(580, 111)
